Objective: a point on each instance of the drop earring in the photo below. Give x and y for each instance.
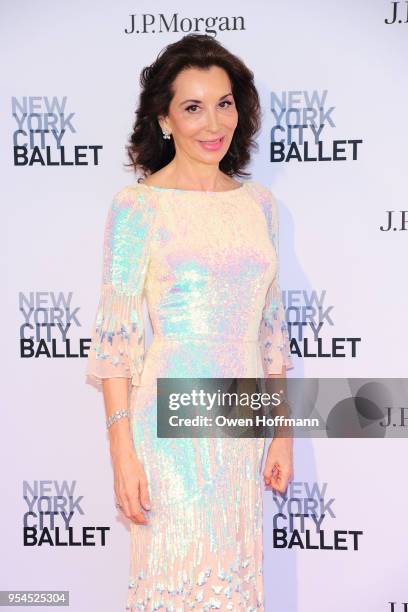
(166, 135)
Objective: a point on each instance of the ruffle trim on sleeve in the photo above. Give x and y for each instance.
(117, 346)
(274, 336)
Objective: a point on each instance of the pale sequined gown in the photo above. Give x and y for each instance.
(207, 264)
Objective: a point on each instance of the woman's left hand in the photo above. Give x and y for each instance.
(278, 469)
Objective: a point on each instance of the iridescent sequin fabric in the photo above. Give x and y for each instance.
(207, 264)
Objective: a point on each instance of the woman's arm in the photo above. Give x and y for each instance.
(116, 353)
(130, 481)
(278, 469)
(115, 395)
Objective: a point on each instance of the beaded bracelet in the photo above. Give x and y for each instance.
(116, 416)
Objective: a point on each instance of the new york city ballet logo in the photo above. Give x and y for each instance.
(48, 320)
(301, 122)
(45, 134)
(310, 320)
(52, 516)
(303, 520)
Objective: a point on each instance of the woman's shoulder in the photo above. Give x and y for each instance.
(260, 189)
(134, 195)
(267, 202)
(131, 207)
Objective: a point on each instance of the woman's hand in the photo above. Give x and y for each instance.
(278, 469)
(130, 480)
(130, 484)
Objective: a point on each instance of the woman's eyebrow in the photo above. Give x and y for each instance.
(199, 101)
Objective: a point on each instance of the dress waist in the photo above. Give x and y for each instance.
(163, 342)
(202, 338)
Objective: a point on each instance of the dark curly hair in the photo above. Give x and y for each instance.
(147, 150)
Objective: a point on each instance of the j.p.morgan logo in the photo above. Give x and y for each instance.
(397, 220)
(44, 133)
(147, 23)
(52, 513)
(302, 119)
(399, 14)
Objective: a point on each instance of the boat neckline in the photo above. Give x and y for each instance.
(198, 191)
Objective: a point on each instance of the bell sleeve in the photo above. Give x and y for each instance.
(273, 332)
(117, 338)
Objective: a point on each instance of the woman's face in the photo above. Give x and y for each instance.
(202, 114)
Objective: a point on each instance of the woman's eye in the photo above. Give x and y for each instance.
(193, 107)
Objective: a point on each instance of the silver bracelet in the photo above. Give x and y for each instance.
(116, 416)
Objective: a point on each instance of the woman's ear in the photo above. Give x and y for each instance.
(162, 124)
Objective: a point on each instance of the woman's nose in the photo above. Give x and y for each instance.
(212, 121)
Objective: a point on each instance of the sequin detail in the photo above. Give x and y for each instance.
(273, 333)
(207, 264)
(204, 554)
(118, 339)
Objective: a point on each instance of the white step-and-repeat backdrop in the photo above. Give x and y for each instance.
(333, 149)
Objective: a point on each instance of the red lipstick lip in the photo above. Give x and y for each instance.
(213, 140)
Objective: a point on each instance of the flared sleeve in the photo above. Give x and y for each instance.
(273, 331)
(117, 337)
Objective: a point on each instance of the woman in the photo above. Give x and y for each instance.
(202, 248)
